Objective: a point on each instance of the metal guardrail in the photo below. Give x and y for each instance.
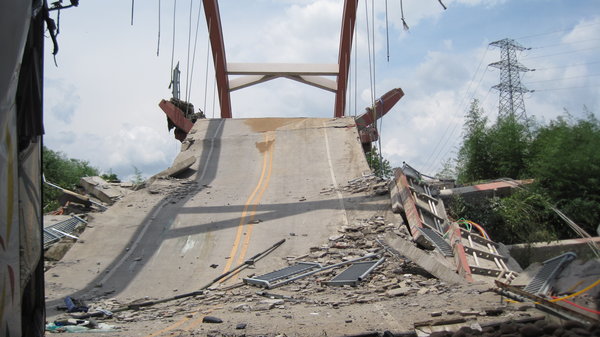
(57, 231)
(541, 282)
(442, 245)
(267, 279)
(354, 274)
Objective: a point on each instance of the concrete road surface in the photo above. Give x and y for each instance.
(255, 181)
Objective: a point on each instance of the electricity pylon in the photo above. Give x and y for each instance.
(510, 87)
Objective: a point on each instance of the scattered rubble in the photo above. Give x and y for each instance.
(410, 277)
(106, 192)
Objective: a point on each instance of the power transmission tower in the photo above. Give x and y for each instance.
(510, 87)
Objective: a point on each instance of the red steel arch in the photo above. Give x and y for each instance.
(258, 73)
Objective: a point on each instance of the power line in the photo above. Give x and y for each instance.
(569, 88)
(428, 162)
(564, 43)
(567, 66)
(564, 78)
(557, 31)
(561, 53)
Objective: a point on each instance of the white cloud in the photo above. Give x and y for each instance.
(585, 32)
(101, 103)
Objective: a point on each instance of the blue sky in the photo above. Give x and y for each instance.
(101, 102)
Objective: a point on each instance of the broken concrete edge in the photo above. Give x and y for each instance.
(409, 206)
(430, 263)
(438, 323)
(527, 253)
(397, 206)
(553, 308)
(99, 188)
(485, 190)
(178, 167)
(460, 256)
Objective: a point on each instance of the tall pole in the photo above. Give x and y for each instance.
(510, 87)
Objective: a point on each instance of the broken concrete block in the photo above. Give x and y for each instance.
(398, 292)
(268, 304)
(242, 307)
(100, 189)
(57, 251)
(434, 264)
(178, 167)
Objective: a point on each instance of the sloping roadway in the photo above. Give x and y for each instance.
(255, 182)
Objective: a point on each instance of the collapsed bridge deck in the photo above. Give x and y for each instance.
(254, 182)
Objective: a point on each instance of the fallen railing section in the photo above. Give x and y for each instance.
(55, 232)
(413, 195)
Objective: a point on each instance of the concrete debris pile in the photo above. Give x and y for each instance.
(95, 195)
(176, 190)
(104, 191)
(426, 270)
(527, 327)
(369, 184)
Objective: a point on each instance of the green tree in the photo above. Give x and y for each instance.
(562, 158)
(509, 142)
(474, 162)
(489, 152)
(110, 176)
(380, 166)
(138, 179)
(565, 163)
(62, 171)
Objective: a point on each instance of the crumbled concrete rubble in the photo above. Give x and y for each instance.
(541, 327)
(398, 280)
(106, 192)
(370, 184)
(175, 189)
(397, 285)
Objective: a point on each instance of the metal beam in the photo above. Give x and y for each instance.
(246, 81)
(348, 21)
(215, 32)
(316, 81)
(282, 69)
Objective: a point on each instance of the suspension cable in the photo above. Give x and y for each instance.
(173, 47)
(387, 32)
(404, 25)
(369, 52)
(214, 95)
(132, 7)
(187, 66)
(194, 53)
(158, 40)
(206, 72)
(355, 69)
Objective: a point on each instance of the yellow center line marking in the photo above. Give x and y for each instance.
(247, 205)
(250, 226)
(200, 318)
(169, 328)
